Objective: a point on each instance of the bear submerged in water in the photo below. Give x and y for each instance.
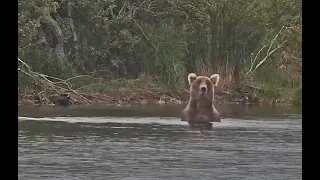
(200, 109)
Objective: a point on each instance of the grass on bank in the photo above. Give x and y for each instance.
(269, 84)
(147, 87)
(110, 90)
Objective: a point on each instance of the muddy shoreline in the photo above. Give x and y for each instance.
(129, 97)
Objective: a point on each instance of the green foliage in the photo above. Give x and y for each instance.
(166, 40)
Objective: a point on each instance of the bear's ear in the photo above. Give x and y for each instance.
(191, 78)
(215, 79)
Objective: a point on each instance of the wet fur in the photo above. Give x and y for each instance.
(200, 108)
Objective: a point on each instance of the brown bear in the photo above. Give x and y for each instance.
(200, 109)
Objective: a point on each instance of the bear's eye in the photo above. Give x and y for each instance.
(198, 83)
(208, 82)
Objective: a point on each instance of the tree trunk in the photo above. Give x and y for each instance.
(54, 37)
(75, 37)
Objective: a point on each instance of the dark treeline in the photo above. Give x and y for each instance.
(256, 43)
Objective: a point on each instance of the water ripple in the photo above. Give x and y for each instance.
(158, 148)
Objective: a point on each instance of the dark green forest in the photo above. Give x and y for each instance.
(152, 45)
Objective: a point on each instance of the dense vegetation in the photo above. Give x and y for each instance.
(252, 44)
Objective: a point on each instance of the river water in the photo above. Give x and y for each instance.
(150, 142)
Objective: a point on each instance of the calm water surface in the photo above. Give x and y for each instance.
(150, 142)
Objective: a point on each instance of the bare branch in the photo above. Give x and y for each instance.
(43, 80)
(121, 10)
(269, 52)
(39, 42)
(144, 35)
(265, 58)
(254, 60)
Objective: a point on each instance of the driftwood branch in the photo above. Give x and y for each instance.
(45, 82)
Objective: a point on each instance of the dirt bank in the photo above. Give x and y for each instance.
(129, 97)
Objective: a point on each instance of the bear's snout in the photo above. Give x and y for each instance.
(203, 89)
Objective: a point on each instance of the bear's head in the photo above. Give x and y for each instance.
(203, 85)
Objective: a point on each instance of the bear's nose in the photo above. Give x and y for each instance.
(203, 88)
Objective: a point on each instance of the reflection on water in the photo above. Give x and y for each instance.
(155, 110)
(255, 147)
